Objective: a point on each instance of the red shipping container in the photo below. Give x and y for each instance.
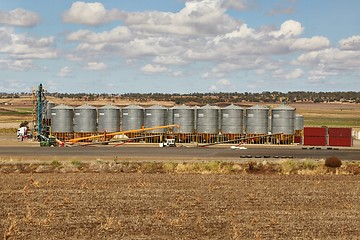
(315, 141)
(340, 142)
(340, 132)
(297, 139)
(315, 131)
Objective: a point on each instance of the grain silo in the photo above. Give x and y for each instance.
(207, 119)
(283, 118)
(184, 116)
(109, 119)
(299, 122)
(85, 119)
(257, 120)
(132, 117)
(49, 106)
(170, 116)
(232, 120)
(155, 116)
(62, 119)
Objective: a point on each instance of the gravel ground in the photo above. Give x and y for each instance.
(179, 206)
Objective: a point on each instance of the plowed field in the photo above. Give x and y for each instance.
(179, 206)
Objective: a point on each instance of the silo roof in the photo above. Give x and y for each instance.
(207, 106)
(182, 107)
(109, 107)
(133, 107)
(157, 107)
(232, 106)
(86, 106)
(62, 106)
(259, 107)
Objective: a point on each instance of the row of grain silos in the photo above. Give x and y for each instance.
(207, 119)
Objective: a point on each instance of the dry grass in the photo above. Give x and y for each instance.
(287, 167)
(329, 114)
(8, 130)
(178, 206)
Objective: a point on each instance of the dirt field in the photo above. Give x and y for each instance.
(179, 206)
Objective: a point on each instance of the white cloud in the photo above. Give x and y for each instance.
(351, 43)
(120, 33)
(296, 73)
(221, 85)
(24, 47)
(224, 82)
(241, 63)
(169, 60)
(331, 58)
(177, 73)
(213, 88)
(20, 17)
(242, 32)
(96, 66)
(14, 85)
(90, 14)
(74, 57)
(288, 75)
(310, 44)
(16, 65)
(202, 32)
(289, 28)
(319, 74)
(240, 5)
(64, 72)
(151, 69)
(196, 18)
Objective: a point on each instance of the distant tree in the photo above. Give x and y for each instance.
(24, 124)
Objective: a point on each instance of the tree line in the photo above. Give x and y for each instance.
(212, 98)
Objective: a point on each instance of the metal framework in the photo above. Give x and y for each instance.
(106, 135)
(40, 122)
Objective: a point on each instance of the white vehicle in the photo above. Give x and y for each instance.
(237, 147)
(21, 133)
(168, 143)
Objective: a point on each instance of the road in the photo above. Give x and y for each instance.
(156, 153)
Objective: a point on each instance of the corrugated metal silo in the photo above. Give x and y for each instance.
(49, 106)
(132, 117)
(269, 122)
(299, 122)
(207, 119)
(283, 118)
(85, 119)
(257, 120)
(109, 119)
(62, 119)
(196, 108)
(232, 120)
(155, 116)
(170, 116)
(184, 116)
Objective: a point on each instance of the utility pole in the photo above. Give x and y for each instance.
(39, 110)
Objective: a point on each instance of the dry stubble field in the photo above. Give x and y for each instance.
(179, 206)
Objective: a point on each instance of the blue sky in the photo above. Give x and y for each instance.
(180, 46)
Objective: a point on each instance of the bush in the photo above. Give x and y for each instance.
(24, 124)
(333, 162)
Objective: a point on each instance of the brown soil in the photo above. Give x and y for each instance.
(178, 206)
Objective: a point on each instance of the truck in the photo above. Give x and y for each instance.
(168, 143)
